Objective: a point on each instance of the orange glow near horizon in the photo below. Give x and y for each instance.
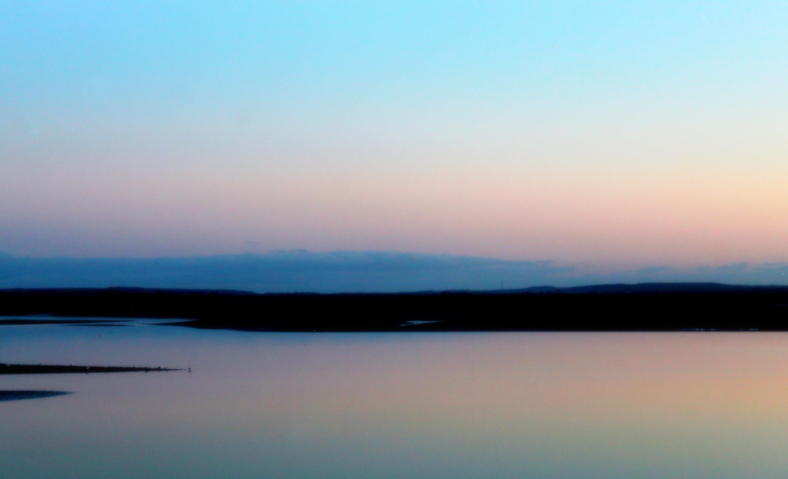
(663, 216)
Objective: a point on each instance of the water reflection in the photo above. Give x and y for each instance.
(283, 405)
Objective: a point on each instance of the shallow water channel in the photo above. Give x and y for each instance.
(395, 405)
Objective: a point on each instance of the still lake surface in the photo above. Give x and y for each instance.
(389, 405)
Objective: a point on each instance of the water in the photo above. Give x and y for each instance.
(474, 405)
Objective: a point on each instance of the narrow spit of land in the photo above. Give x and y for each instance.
(16, 395)
(618, 307)
(70, 369)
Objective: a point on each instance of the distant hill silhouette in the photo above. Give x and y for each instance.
(659, 288)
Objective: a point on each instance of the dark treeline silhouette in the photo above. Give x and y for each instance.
(640, 307)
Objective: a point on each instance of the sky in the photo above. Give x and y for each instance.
(604, 137)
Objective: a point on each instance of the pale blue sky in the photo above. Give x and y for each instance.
(620, 134)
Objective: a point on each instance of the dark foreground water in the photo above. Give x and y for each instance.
(474, 405)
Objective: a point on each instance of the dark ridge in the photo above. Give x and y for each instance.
(613, 307)
(71, 369)
(19, 395)
(661, 288)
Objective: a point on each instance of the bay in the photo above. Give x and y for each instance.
(396, 405)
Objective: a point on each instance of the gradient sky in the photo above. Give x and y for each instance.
(611, 133)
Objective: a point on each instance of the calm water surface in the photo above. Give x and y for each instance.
(478, 405)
